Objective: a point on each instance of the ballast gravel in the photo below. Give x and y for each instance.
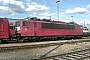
(27, 54)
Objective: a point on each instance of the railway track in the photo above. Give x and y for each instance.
(12, 47)
(78, 55)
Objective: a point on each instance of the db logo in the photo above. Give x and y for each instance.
(26, 29)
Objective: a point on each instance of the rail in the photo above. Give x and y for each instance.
(78, 55)
(27, 46)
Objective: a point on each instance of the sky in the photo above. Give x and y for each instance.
(69, 10)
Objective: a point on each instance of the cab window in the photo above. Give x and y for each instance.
(0, 22)
(17, 24)
(25, 23)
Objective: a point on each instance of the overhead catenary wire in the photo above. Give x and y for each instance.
(71, 3)
(48, 4)
(56, 6)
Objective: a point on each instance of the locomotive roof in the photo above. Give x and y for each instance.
(3, 19)
(54, 22)
(46, 21)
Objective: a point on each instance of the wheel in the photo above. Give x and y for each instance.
(0, 41)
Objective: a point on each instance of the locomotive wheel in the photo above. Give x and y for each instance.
(19, 40)
(38, 39)
(2, 41)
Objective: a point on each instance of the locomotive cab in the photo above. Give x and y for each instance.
(22, 27)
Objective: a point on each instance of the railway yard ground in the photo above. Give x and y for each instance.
(36, 50)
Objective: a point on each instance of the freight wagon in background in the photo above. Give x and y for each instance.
(36, 29)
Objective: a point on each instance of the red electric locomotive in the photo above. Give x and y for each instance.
(38, 29)
(4, 28)
(35, 28)
(6, 31)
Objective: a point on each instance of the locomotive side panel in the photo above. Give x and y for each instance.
(4, 28)
(52, 29)
(12, 29)
(40, 28)
(79, 30)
